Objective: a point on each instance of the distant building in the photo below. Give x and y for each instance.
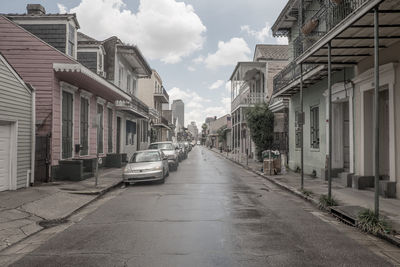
(192, 128)
(178, 112)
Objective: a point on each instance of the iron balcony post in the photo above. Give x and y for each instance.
(301, 127)
(376, 111)
(330, 120)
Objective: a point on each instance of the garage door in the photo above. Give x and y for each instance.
(5, 138)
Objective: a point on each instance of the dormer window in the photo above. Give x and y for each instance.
(71, 40)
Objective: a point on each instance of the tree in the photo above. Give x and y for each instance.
(261, 123)
(222, 134)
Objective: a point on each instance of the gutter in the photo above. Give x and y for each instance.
(33, 138)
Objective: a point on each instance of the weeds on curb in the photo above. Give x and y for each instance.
(369, 222)
(325, 202)
(307, 193)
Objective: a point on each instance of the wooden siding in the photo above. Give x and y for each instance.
(53, 34)
(33, 60)
(89, 60)
(13, 94)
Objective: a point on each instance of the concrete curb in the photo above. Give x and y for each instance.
(389, 238)
(53, 222)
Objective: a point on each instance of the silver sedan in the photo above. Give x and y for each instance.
(146, 165)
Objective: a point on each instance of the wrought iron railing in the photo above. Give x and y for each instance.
(330, 13)
(290, 74)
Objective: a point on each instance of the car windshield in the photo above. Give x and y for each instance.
(148, 156)
(166, 146)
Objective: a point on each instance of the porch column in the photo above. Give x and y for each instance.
(301, 122)
(376, 111)
(330, 120)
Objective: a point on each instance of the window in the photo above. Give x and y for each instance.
(134, 85)
(110, 130)
(155, 86)
(144, 131)
(71, 40)
(67, 124)
(297, 130)
(130, 132)
(314, 127)
(99, 128)
(100, 62)
(128, 84)
(120, 76)
(84, 126)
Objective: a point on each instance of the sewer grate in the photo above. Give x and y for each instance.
(346, 214)
(52, 223)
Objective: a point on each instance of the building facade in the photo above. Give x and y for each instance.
(252, 84)
(153, 93)
(17, 130)
(333, 40)
(70, 100)
(178, 113)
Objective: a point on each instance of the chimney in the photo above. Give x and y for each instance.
(35, 9)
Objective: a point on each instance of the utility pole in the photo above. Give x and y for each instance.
(300, 121)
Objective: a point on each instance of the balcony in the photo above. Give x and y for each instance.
(161, 95)
(247, 99)
(291, 74)
(135, 107)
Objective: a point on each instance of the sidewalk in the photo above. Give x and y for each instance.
(26, 211)
(316, 186)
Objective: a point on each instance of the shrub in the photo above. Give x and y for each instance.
(325, 202)
(307, 193)
(369, 222)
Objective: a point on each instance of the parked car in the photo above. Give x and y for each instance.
(186, 143)
(146, 165)
(198, 143)
(169, 150)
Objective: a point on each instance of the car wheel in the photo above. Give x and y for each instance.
(127, 184)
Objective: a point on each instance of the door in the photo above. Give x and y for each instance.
(5, 156)
(67, 124)
(384, 158)
(42, 158)
(118, 135)
(346, 137)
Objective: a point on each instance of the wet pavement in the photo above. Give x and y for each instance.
(209, 213)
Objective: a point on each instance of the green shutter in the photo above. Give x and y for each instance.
(67, 124)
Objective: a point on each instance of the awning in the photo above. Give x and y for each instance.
(82, 77)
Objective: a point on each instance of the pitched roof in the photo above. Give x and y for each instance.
(271, 52)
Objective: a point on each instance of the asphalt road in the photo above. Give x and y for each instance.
(209, 213)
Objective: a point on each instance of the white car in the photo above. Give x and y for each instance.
(146, 165)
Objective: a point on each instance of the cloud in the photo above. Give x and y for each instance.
(228, 86)
(260, 35)
(198, 59)
(282, 40)
(228, 54)
(190, 68)
(163, 29)
(216, 85)
(62, 9)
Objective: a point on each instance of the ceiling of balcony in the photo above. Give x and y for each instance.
(356, 42)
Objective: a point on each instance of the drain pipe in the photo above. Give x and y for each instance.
(33, 137)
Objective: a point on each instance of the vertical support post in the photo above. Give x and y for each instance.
(376, 111)
(330, 120)
(301, 127)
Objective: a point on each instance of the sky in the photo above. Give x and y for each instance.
(193, 44)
